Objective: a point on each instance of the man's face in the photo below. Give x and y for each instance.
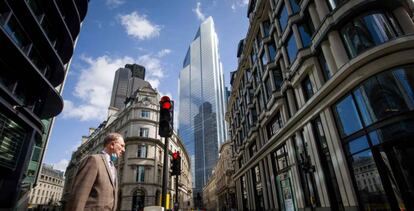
(118, 147)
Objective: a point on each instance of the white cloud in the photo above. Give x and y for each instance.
(198, 12)
(94, 83)
(114, 3)
(239, 3)
(139, 26)
(61, 165)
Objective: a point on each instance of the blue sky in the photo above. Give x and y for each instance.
(152, 33)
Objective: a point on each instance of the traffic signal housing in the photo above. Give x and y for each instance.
(166, 121)
(176, 164)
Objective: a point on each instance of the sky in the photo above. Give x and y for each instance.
(153, 33)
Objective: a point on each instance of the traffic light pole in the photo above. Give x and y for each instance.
(176, 204)
(165, 174)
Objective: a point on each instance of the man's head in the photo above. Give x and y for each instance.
(114, 143)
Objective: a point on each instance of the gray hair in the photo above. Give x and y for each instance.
(111, 137)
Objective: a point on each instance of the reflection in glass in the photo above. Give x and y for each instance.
(365, 32)
(349, 121)
(306, 32)
(370, 189)
(357, 145)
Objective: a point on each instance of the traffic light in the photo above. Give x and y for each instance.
(166, 121)
(176, 164)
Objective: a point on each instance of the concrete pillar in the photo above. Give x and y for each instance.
(338, 50)
(314, 15)
(330, 61)
(296, 34)
(404, 20)
(291, 102)
(321, 8)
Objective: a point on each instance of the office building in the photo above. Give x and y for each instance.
(321, 109)
(140, 169)
(37, 42)
(202, 103)
(127, 80)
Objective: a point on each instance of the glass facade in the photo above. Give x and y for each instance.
(202, 104)
(376, 125)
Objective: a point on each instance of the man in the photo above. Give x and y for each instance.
(95, 185)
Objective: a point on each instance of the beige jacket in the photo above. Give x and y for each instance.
(93, 188)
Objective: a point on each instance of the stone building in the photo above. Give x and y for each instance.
(220, 191)
(49, 189)
(321, 107)
(140, 169)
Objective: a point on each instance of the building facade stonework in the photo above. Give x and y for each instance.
(49, 189)
(220, 191)
(140, 168)
(321, 108)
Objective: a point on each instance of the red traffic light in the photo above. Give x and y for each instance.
(165, 102)
(176, 155)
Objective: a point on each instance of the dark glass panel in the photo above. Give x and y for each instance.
(357, 145)
(306, 32)
(283, 18)
(370, 189)
(4, 12)
(269, 88)
(366, 32)
(325, 69)
(348, 119)
(12, 137)
(307, 88)
(272, 51)
(295, 6)
(266, 28)
(16, 32)
(292, 48)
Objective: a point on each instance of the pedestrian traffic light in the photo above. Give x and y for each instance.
(176, 164)
(166, 121)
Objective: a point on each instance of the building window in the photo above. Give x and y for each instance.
(335, 3)
(379, 148)
(274, 125)
(145, 114)
(306, 32)
(12, 137)
(307, 88)
(252, 149)
(263, 59)
(277, 78)
(327, 165)
(142, 151)
(283, 18)
(140, 174)
(258, 188)
(292, 48)
(295, 5)
(266, 28)
(324, 66)
(367, 31)
(4, 12)
(281, 158)
(272, 50)
(143, 132)
(18, 35)
(269, 88)
(244, 191)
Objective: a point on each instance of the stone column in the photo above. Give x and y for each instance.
(314, 15)
(338, 50)
(321, 8)
(404, 20)
(330, 61)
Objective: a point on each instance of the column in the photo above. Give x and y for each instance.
(338, 50)
(330, 61)
(321, 8)
(314, 15)
(291, 101)
(404, 20)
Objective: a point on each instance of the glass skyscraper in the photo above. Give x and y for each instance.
(202, 104)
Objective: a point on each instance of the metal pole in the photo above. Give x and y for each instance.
(176, 194)
(165, 173)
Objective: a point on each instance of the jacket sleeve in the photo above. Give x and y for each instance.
(82, 184)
